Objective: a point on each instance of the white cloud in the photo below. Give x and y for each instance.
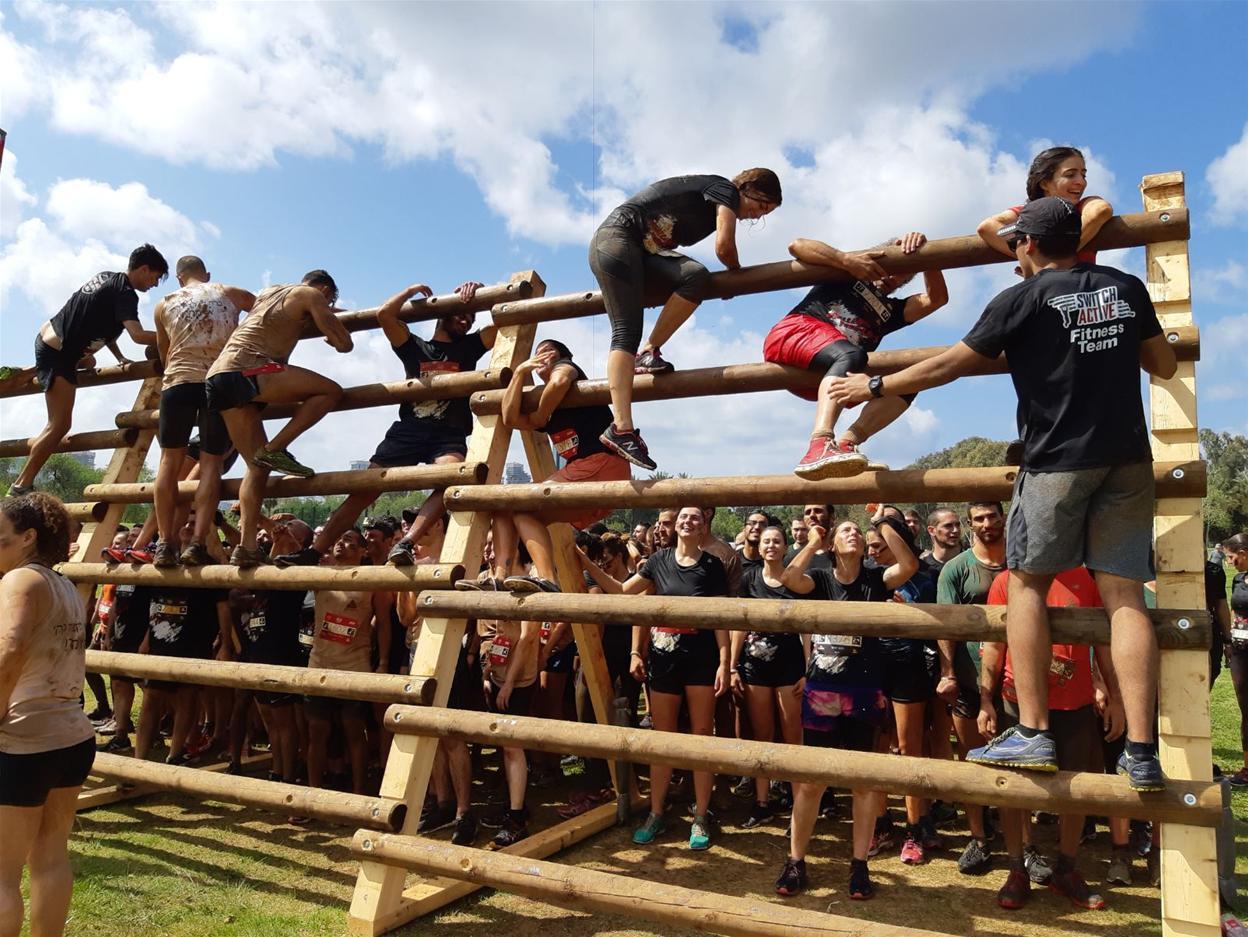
(1222, 284)
(88, 210)
(890, 152)
(1225, 339)
(1228, 178)
(14, 196)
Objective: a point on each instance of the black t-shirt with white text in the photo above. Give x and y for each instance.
(96, 314)
(861, 312)
(271, 627)
(847, 660)
(706, 577)
(184, 622)
(422, 357)
(675, 212)
(574, 431)
(1072, 338)
(1239, 611)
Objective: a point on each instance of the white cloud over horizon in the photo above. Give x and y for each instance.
(1228, 178)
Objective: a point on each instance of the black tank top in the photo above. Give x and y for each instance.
(574, 431)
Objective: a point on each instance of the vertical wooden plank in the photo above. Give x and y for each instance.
(378, 904)
(1189, 885)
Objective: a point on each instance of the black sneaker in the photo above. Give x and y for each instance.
(975, 858)
(526, 585)
(479, 585)
(99, 716)
(196, 554)
(759, 814)
(436, 818)
(860, 887)
(651, 362)
(1143, 774)
(402, 554)
(629, 446)
(244, 558)
(792, 880)
(165, 556)
(308, 556)
(942, 814)
(495, 821)
(510, 833)
(828, 809)
(116, 745)
(181, 761)
(1038, 868)
(465, 830)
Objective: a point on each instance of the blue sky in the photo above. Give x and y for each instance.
(400, 143)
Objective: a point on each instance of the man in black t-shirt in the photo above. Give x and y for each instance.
(95, 316)
(831, 331)
(431, 432)
(751, 558)
(1075, 336)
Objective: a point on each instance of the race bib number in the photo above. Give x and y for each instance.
(306, 638)
(166, 609)
(837, 643)
(500, 650)
(567, 443)
(1240, 634)
(546, 627)
(1062, 668)
(438, 367)
(338, 628)
(105, 610)
(255, 626)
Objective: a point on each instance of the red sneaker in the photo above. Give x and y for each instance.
(1073, 886)
(829, 458)
(1016, 890)
(139, 557)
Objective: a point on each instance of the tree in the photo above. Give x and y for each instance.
(1226, 501)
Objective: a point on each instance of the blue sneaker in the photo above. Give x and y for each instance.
(1011, 750)
(699, 834)
(1143, 774)
(646, 834)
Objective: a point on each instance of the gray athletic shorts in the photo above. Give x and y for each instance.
(1101, 518)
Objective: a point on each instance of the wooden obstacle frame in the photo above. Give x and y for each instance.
(384, 899)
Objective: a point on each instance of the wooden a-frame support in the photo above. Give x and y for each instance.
(1189, 867)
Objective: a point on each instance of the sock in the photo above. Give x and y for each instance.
(518, 815)
(1141, 750)
(1027, 732)
(1017, 864)
(1065, 864)
(914, 830)
(857, 865)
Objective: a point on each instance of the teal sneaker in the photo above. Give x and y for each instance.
(699, 834)
(1011, 750)
(646, 834)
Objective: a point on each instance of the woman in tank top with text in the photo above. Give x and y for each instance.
(47, 744)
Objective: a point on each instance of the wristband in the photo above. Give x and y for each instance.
(734, 670)
(635, 654)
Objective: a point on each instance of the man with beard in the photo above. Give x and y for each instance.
(431, 432)
(944, 527)
(751, 557)
(813, 515)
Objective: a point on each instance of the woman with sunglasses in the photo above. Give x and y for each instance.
(688, 665)
(632, 254)
(843, 702)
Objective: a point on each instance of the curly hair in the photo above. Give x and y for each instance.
(46, 515)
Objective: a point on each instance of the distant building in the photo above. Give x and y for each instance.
(84, 458)
(514, 474)
(359, 465)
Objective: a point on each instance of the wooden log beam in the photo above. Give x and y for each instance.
(86, 511)
(943, 254)
(268, 678)
(581, 889)
(374, 812)
(403, 478)
(364, 578)
(753, 378)
(1063, 792)
(97, 377)
(1175, 629)
(75, 442)
(435, 387)
(435, 307)
(1174, 479)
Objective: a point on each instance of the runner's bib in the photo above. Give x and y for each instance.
(567, 443)
(338, 628)
(500, 650)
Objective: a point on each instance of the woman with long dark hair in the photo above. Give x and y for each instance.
(1236, 549)
(632, 255)
(47, 745)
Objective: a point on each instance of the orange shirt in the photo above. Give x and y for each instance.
(1070, 676)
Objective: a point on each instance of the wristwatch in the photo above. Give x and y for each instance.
(876, 386)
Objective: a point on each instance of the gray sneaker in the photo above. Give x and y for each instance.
(1119, 872)
(1038, 868)
(165, 556)
(247, 559)
(1011, 749)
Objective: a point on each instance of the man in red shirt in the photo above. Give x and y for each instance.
(1074, 722)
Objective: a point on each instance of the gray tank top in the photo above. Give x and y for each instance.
(44, 713)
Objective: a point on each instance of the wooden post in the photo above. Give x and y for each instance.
(571, 580)
(379, 903)
(1189, 875)
(75, 442)
(386, 578)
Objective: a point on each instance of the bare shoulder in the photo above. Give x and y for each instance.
(20, 581)
(21, 590)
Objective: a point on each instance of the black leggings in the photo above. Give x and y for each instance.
(844, 357)
(624, 269)
(1239, 677)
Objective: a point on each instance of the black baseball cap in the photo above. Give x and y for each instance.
(1046, 217)
(409, 514)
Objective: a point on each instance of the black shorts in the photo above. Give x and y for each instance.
(127, 636)
(967, 675)
(693, 662)
(771, 660)
(51, 363)
(26, 780)
(277, 699)
(520, 704)
(561, 660)
(231, 454)
(168, 686)
(849, 734)
(400, 653)
(182, 408)
(911, 670)
(327, 708)
(418, 442)
(230, 389)
(1077, 733)
(461, 682)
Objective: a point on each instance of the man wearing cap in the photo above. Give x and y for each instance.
(1074, 335)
